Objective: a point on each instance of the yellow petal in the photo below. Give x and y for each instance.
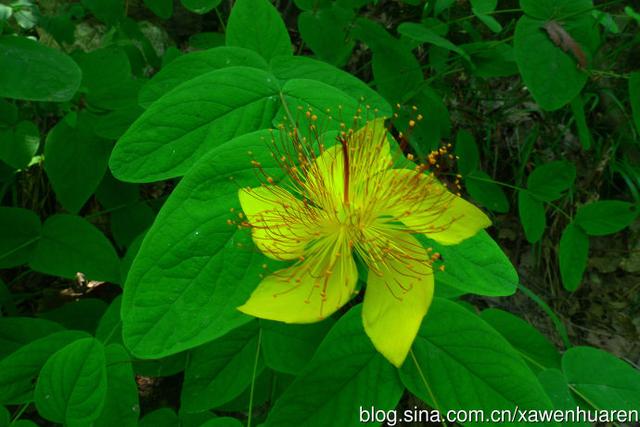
(307, 292)
(280, 223)
(397, 298)
(425, 206)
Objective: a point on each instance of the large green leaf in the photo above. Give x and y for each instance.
(257, 25)
(551, 74)
(19, 232)
(72, 385)
(18, 331)
(219, 371)
(345, 374)
(605, 217)
(466, 364)
(572, 256)
(195, 64)
(34, 72)
(193, 268)
(70, 245)
(68, 152)
(192, 119)
(19, 370)
(478, 266)
(121, 407)
(557, 388)
(604, 380)
(532, 345)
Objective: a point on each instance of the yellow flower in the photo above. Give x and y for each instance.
(344, 204)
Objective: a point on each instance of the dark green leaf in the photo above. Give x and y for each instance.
(82, 314)
(486, 192)
(17, 146)
(572, 256)
(532, 216)
(553, 9)
(605, 217)
(547, 182)
(19, 232)
(107, 11)
(200, 6)
(31, 71)
(257, 25)
(325, 31)
(163, 417)
(18, 331)
(467, 151)
(69, 245)
(162, 8)
(425, 35)
(577, 108)
(555, 384)
(337, 382)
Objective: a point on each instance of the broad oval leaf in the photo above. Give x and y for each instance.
(477, 266)
(19, 232)
(257, 25)
(454, 346)
(34, 72)
(18, 331)
(345, 374)
(71, 245)
(548, 181)
(194, 64)
(72, 385)
(572, 256)
(193, 268)
(606, 381)
(605, 217)
(200, 114)
(486, 192)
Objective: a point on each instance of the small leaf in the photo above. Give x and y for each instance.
(486, 192)
(424, 35)
(34, 72)
(337, 382)
(532, 216)
(162, 8)
(572, 254)
(163, 417)
(19, 232)
(467, 151)
(69, 245)
(549, 9)
(221, 370)
(455, 345)
(257, 25)
(604, 380)
(605, 217)
(200, 6)
(19, 370)
(107, 11)
(478, 266)
(547, 182)
(532, 345)
(18, 146)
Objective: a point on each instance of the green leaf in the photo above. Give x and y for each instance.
(425, 35)
(554, 9)
(110, 326)
(605, 217)
(547, 182)
(193, 65)
(555, 384)
(19, 232)
(162, 367)
(338, 380)
(221, 370)
(634, 97)
(107, 11)
(454, 346)
(121, 407)
(288, 348)
(222, 422)
(572, 256)
(127, 223)
(429, 133)
(325, 32)
(18, 146)
(532, 345)
(551, 75)
(192, 119)
(301, 67)
(200, 6)
(577, 108)
(18, 331)
(162, 8)
(34, 72)
(82, 314)
(467, 151)
(163, 417)
(604, 380)
(19, 370)
(72, 385)
(190, 274)
(68, 151)
(478, 266)
(532, 216)
(69, 244)
(486, 192)
(257, 25)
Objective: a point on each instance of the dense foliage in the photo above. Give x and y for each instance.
(125, 128)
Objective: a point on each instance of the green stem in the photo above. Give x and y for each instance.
(19, 413)
(426, 384)
(24, 245)
(562, 330)
(253, 378)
